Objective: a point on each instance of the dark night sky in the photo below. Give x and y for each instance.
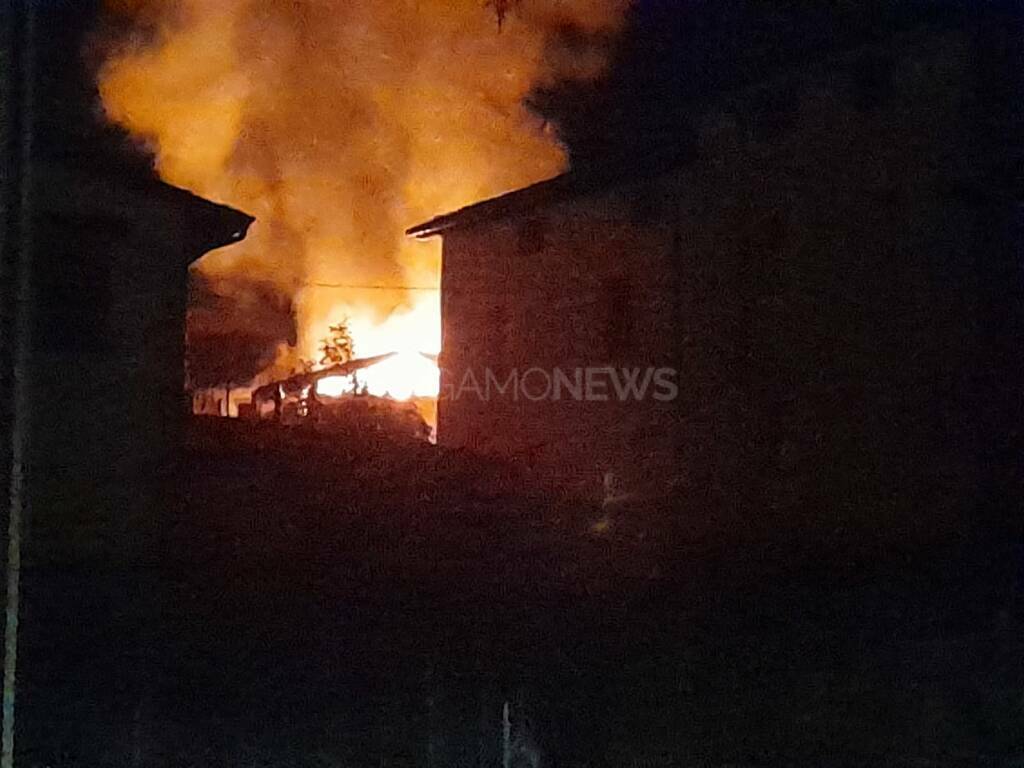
(671, 56)
(675, 55)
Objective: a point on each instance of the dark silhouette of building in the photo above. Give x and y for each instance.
(109, 247)
(110, 283)
(820, 266)
(96, 256)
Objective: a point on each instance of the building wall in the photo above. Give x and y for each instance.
(575, 287)
(813, 274)
(108, 403)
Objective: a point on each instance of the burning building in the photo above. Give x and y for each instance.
(337, 124)
(813, 267)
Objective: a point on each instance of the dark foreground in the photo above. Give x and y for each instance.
(324, 602)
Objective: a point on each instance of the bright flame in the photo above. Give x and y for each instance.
(335, 386)
(415, 328)
(402, 377)
(412, 332)
(339, 123)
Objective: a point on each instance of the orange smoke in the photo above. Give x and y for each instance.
(339, 123)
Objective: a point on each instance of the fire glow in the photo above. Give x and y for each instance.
(403, 376)
(414, 336)
(338, 124)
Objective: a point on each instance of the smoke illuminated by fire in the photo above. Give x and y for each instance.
(338, 124)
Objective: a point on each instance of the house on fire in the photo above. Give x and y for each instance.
(826, 273)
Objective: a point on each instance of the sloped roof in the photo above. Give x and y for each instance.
(64, 190)
(567, 186)
(817, 44)
(516, 201)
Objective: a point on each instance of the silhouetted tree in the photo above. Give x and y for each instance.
(337, 347)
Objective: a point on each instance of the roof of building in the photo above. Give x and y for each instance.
(83, 167)
(496, 207)
(65, 190)
(730, 77)
(567, 186)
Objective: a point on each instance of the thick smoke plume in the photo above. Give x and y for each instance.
(339, 123)
(236, 326)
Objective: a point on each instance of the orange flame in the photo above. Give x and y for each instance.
(402, 377)
(338, 123)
